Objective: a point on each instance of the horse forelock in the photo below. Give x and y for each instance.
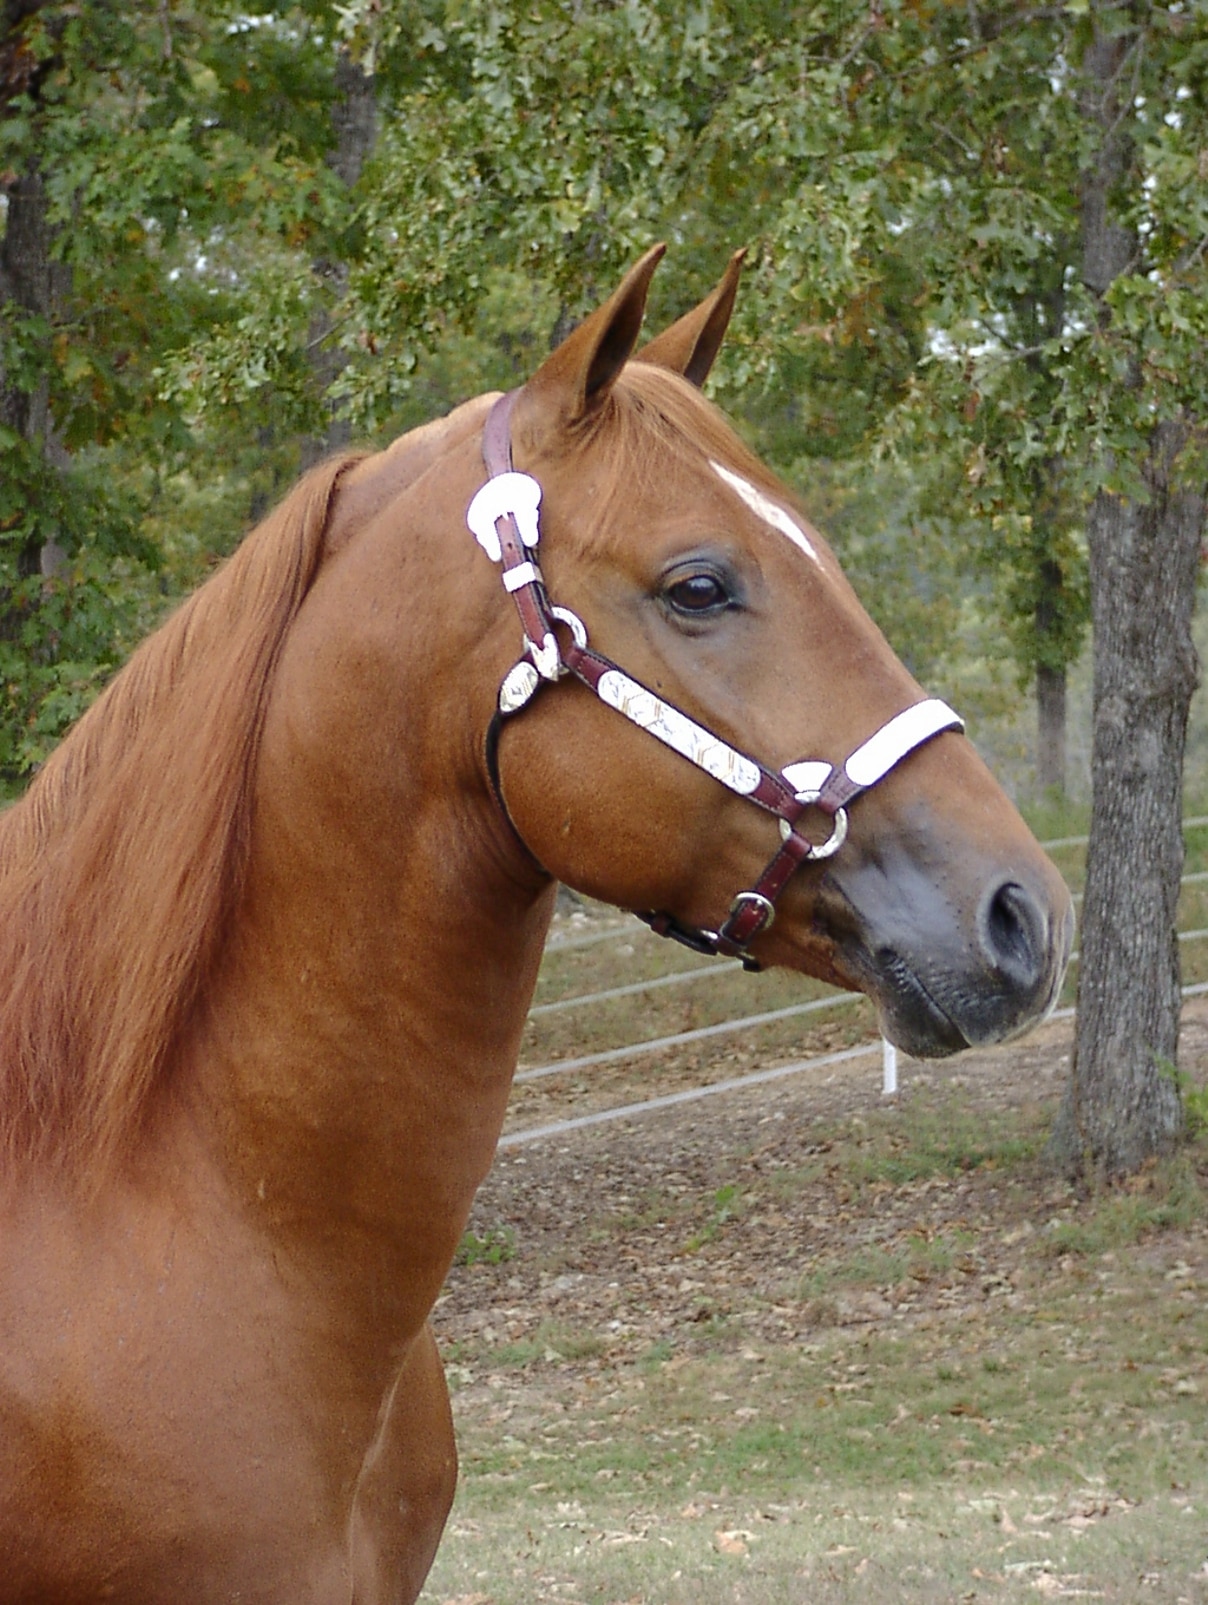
(120, 865)
(656, 418)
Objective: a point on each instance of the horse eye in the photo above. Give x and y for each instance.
(697, 593)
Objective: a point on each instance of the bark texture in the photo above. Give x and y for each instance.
(354, 127)
(1050, 670)
(1122, 1104)
(32, 284)
(25, 270)
(25, 286)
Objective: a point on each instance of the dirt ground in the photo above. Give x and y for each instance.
(798, 1342)
(645, 1230)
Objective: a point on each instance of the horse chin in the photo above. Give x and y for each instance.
(910, 1017)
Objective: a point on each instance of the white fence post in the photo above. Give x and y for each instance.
(889, 1068)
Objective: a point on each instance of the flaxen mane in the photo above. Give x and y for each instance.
(119, 866)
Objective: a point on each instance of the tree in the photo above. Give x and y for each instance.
(556, 143)
(1145, 531)
(30, 286)
(1070, 155)
(139, 165)
(992, 221)
(45, 508)
(354, 130)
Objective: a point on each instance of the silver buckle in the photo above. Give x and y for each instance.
(759, 901)
(546, 658)
(516, 494)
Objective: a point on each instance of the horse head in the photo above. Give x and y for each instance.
(664, 574)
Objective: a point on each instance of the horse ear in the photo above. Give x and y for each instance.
(690, 344)
(577, 378)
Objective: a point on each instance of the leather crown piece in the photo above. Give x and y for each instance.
(504, 517)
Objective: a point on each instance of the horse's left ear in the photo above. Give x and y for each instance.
(693, 341)
(575, 381)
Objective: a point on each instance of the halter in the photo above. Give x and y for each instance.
(504, 518)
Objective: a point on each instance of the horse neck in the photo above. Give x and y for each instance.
(353, 1062)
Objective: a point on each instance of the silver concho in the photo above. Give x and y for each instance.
(518, 686)
(517, 494)
(546, 659)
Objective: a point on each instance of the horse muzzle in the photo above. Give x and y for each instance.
(946, 974)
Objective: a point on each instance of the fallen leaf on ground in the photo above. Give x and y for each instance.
(731, 1543)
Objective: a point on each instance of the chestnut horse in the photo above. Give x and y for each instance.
(271, 916)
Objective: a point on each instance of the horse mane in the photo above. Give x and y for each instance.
(120, 866)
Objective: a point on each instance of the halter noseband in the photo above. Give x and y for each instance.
(504, 519)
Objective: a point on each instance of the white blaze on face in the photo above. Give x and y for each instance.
(764, 507)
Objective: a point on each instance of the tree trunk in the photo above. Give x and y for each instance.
(1050, 729)
(1050, 672)
(30, 285)
(1122, 1104)
(25, 286)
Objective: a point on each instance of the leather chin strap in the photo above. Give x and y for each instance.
(503, 517)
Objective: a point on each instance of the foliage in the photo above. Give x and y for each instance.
(1195, 1113)
(62, 635)
(170, 156)
(907, 176)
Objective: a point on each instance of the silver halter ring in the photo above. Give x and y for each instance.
(833, 842)
(575, 624)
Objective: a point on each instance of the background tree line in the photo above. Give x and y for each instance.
(974, 331)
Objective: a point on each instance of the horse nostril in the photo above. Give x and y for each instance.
(1013, 933)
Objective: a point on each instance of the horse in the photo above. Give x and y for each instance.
(271, 918)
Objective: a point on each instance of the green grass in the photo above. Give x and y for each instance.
(1170, 1195)
(727, 1202)
(919, 1259)
(493, 1247)
(893, 1436)
(890, 1444)
(1023, 1414)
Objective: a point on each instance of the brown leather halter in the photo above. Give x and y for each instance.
(504, 519)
